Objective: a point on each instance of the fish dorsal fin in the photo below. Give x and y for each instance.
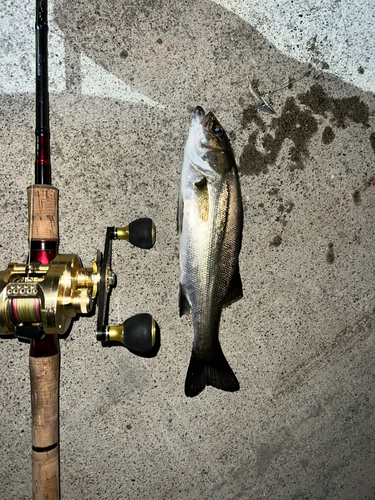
(180, 213)
(235, 289)
(185, 306)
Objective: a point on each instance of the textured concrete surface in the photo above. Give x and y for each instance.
(124, 81)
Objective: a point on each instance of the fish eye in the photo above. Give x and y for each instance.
(218, 130)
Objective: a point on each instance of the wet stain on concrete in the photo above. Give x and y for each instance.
(253, 161)
(294, 124)
(298, 125)
(283, 222)
(357, 197)
(366, 184)
(276, 242)
(251, 115)
(289, 207)
(369, 182)
(283, 209)
(372, 141)
(328, 135)
(274, 191)
(330, 256)
(345, 110)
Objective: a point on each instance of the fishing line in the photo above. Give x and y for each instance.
(293, 80)
(24, 310)
(265, 105)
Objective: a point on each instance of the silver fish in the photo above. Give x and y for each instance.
(210, 223)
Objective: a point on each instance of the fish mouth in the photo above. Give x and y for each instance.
(198, 112)
(203, 119)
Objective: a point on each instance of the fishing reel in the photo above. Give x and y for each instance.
(39, 299)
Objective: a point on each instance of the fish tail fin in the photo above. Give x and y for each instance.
(210, 370)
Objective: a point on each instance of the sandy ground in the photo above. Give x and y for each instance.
(124, 82)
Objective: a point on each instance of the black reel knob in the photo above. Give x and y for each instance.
(140, 233)
(137, 333)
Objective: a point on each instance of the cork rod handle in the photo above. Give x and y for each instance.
(43, 212)
(44, 377)
(44, 358)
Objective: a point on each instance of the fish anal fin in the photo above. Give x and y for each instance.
(211, 370)
(185, 306)
(235, 289)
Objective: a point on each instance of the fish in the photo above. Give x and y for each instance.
(209, 222)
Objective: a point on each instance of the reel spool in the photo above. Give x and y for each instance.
(41, 299)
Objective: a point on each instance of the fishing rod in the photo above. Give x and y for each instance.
(39, 299)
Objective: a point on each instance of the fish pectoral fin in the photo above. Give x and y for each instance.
(235, 289)
(185, 306)
(202, 198)
(180, 213)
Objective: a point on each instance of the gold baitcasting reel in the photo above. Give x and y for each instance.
(40, 299)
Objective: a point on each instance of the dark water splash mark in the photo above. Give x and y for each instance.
(330, 256)
(276, 242)
(345, 110)
(294, 124)
(299, 126)
(369, 182)
(284, 208)
(251, 115)
(289, 207)
(366, 184)
(275, 192)
(372, 141)
(328, 135)
(357, 197)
